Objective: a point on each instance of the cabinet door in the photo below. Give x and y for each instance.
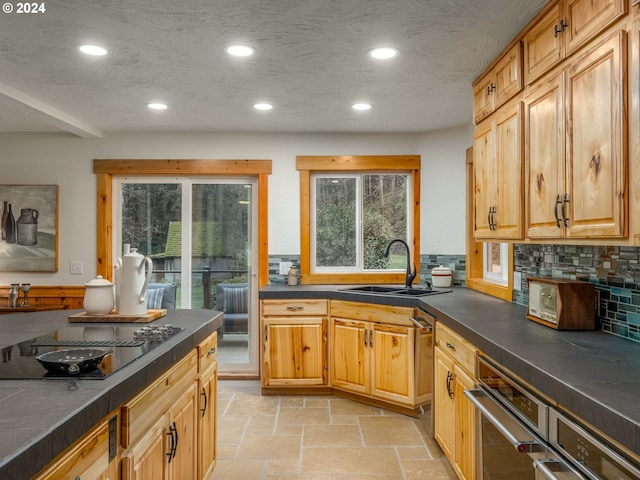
(543, 46)
(509, 153)
(483, 97)
(484, 173)
(393, 375)
(508, 75)
(207, 386)
(295, 351)
(350, 355)
(596, 124)
(544, 156)
(147, 458)
(443, 408)
(182, 418)
(464, 413)
(586, 18)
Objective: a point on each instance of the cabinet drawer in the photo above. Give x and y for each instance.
(294, 307)
(457, 347)
(141, 412)
(207, 351)
(87, 458)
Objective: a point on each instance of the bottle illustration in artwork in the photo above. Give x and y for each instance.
(10, 227)
(5, 213)
(27, 227)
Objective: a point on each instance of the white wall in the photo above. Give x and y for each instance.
(68, 162)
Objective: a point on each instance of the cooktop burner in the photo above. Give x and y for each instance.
(125, 343)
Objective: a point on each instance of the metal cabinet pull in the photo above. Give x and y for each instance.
(371, 338)
(451, 346)
(295, 308)
(172, 446)
(449, 380)
(555, 210)
(175, 448)
(211, 351)
(556, 30)
(565, 219)
(203, 410)
(365, 338)
(266, 333)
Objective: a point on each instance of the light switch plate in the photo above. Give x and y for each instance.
(284, 267)
(75, 268)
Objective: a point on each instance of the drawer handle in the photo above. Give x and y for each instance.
(451, 346)
(212, 351)
(295, 308)
(173, 444)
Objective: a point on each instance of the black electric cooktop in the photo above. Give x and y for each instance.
(125, 343)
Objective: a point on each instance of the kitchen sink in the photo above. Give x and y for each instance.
(391, 290)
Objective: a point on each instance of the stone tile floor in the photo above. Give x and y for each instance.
(318, 438)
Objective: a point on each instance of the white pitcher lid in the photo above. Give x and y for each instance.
(98, 282)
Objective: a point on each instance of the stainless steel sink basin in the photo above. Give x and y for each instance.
(390, 290)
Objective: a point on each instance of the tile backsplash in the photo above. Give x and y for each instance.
(615, 271)
(457, 264)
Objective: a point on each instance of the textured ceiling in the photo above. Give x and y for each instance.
(311, 63)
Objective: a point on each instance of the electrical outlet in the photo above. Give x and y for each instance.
(75, 268)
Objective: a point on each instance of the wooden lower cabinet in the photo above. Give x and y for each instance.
(382, 360)
(454, 415)
(207, 424)
(168, 449)
(294, 343)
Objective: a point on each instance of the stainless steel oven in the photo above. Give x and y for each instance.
(512, 431)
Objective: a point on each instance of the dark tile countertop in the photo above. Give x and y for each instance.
(594, 375)
(40, 418)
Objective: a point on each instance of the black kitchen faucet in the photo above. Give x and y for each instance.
(410, 275)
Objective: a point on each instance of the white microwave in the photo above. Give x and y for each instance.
(561, 303)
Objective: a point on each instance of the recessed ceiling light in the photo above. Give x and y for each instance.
(157, 106)
(240, 50)
(263, 106)
(361, 106)
(92, 50)
(383, 53)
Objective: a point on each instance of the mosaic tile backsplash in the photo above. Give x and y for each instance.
(615, 271)
(457, 264)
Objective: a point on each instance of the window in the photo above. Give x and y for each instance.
(351, 208)
(354, 216)
(495, 262)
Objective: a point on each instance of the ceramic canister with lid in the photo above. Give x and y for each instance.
(441, 276)
(99, 296)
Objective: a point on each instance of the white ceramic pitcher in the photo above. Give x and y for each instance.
(133, 281)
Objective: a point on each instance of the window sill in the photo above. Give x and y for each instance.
(480, 285)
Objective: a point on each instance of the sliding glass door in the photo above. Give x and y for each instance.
(199, 233)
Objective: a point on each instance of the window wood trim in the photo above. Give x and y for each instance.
(105, 169)
(354, 163)
(474, 277)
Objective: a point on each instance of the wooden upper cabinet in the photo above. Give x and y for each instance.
(575, 154)
(499, 85)
(587, 18)
(543, 46)
(498, 171)
(544, 155)
(567, 25)
(596, 131)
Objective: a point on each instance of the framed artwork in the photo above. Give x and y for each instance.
(29, 228)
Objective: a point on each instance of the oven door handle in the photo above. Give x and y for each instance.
(553, 469)
(517, 435)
